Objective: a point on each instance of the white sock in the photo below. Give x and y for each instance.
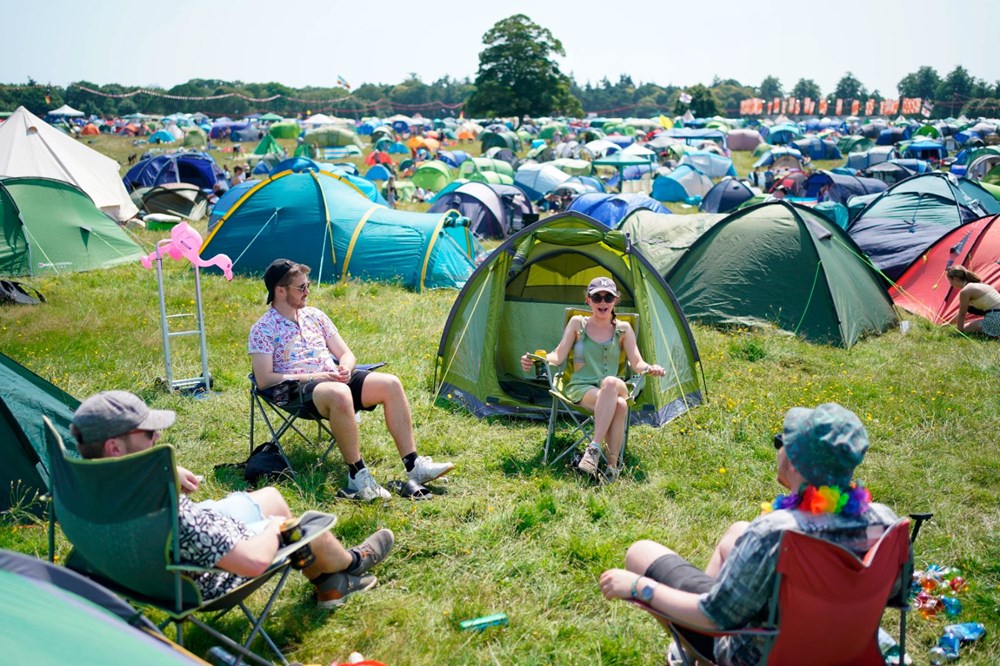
(594, 445)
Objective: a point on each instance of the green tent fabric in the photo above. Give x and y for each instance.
(432, 175)
(574, 167)
(24, 399)
(194, 137)
(782, 264)
(479, 164)
(663, 238)
(51, 615)
(516, 300)
(284, 129)
(326, 137)
(268, 146)
(52, 227)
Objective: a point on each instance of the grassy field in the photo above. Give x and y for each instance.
(507, 533)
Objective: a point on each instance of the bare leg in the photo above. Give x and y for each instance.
(386, 390)
(333, 402)
(271, 502)
(725, 546)
(607, 402)
(331, 556)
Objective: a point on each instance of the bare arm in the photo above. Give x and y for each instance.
(266, 377)
(345, 357)
(253, 556)
(679, 605)
(964, 297)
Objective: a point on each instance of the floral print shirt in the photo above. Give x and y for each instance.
(295, 349)
(206, 536)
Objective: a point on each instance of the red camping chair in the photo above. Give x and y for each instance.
(827, 603)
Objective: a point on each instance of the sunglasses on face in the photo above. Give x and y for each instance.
(603, 297)
(779, 441)
(303, 288)
(148, 433)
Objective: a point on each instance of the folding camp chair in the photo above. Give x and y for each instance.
(121, 516)
(280, 418)
(827, 604)
(579, 419)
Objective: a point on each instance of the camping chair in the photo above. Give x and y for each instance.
(827, 603)
(121, 516)
(580, 419)
(279, 419)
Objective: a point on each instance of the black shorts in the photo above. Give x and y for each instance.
(305, 406)
(676, 572)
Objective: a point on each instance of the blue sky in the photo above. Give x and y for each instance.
(302, 43)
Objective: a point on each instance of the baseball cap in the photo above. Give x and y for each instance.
(602, 284)
(825, 444)
(113, 413)
(274, 273)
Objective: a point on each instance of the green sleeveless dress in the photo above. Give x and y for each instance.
(599, 360)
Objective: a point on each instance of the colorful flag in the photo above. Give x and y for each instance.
(926, 108)
(666, 123)
(685, 98)
(341, 81)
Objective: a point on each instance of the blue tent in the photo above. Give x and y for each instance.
(161, 136)
(782, 134)
(726, 196)
(194, 168)
(711, 164)
(537, 180)
(842, 187)
(320, 219)
(775, 154)
(378, 172)
(685, 183)
(926, 149)
(611, 209)
(494, 211)
(452, 158)
(864, 159)
(690, 135)
(818, 149)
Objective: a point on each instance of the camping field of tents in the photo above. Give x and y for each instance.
(507, 533)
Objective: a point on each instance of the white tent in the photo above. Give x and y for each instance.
(66, 111)
(31, 147)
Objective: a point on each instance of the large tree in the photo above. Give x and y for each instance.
(922, 83)
(517, 75)
(848, 87)
(955, 89)
(770, 88)
(703, 103)
(806, 88)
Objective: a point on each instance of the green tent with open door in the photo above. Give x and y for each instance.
(515, 302)
(782, 264)
(53, 227)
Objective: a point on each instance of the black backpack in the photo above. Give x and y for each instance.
(12, 293)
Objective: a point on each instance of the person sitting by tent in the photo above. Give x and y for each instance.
(597, 342)
(817, 453)
(977, 298)
(238, 534)
(299, 343)
(238, 176)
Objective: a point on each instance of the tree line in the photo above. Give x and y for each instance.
(517, 76)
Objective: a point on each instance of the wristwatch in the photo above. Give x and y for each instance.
(644, 595)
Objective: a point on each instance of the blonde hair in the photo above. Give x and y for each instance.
(962, 273)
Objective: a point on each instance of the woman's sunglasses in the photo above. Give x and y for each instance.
(603, 297)
(779, 441)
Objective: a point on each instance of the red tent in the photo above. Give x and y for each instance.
(378, 157)
(923, 288)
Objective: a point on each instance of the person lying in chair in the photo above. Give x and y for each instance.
(816, 456)
(293, 341)
(239, 533)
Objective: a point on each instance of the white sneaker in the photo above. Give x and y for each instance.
(425, 469)
(589, 462)
(366, 487)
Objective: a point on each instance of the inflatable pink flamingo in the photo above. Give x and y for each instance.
(184, 243)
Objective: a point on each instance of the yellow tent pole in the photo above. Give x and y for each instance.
(239, 202)
(430, 246)
(354, 240)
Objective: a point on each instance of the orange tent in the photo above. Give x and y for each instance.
(90, 129)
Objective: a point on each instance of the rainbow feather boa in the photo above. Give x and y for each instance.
(850, 501)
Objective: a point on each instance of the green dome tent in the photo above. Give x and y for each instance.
(432, 175)
(194, 137)
(284, 129)
(327, 137)
(515, 302)
(54, 227)
(784, 265)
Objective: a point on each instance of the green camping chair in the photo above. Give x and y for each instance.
(579, 419)
(121, 515)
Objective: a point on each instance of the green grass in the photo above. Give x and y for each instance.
(507, 533)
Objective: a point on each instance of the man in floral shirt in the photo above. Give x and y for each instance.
(298, 343)
(238, 534)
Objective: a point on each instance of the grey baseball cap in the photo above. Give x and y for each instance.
(113, 413)
(602, 284)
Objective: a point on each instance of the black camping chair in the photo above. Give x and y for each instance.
(281, 407)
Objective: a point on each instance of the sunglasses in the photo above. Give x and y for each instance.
(603, 297)
(303, 288)
(149, 433)
(779, 441)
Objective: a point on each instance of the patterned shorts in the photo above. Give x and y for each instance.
(991, 323)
